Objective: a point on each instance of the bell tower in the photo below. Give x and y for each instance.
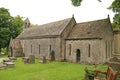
(26, 23)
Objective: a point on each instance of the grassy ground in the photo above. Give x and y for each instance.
(48, 71)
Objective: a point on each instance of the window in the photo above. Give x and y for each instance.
(106, 48)
(39, 49)
(70, 49)
(89, 50)
(50, 48)
(31, 48)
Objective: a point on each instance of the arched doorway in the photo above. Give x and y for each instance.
(78, 55)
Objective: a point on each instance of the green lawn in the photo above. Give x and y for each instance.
(48, 71)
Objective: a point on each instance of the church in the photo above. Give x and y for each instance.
(65, 40)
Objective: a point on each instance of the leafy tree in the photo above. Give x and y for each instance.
(9, 27)
(115, 7)
(34, 25)
(5, 23)
(77, 3)
(17, 24)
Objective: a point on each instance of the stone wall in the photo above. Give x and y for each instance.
(64, 35)
(91, 51)
(41, 47)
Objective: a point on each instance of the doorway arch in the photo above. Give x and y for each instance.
(78, 55)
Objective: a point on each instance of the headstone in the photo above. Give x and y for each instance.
(25, 59)
(44, 59)
(13, 59)
(32, 59)
(2, 66)
(9, 64)
(52, 56)
(6, 60)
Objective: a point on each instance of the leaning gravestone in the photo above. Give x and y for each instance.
(31, 59)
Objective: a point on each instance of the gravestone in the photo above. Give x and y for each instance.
(13, 59)
(25, 59)
(2, 66)
(9, 64)
(52, 56)
(31, 59)
(43, 60)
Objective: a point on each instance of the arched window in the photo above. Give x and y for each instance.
(89, 50)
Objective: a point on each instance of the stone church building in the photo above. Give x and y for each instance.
(87, 42)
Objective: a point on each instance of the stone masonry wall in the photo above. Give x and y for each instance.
(41, 47)
(88, 55)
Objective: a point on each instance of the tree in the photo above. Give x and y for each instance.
(16, 28)
(77, 3)
(10, 27)
(5, 23)
(115, 7)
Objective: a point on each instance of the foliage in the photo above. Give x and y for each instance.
(17, 24)
(34, 25)
(9, 27)
(115, 7)
(48, 71)
(77, 3)
(116, 20)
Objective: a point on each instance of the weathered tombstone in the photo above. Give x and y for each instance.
(32, 59)
(13, 59)
(6, 60)
(25, 59)
(2, 66)
(52, 56)
(10, 64)
(44, 59)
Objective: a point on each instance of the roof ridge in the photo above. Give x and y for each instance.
(93, 21)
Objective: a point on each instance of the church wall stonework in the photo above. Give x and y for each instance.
(42, 47)
(91, 51)
(64, 35)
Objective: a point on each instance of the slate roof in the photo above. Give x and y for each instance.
(92, 29)
(46, 30)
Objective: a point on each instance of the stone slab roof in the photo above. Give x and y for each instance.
(93, 29)
(53, 29)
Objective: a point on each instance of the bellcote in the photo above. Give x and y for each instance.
(26, 23)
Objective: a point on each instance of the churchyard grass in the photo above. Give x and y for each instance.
(47, 71)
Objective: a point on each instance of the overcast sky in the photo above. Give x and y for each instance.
(45, 11)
